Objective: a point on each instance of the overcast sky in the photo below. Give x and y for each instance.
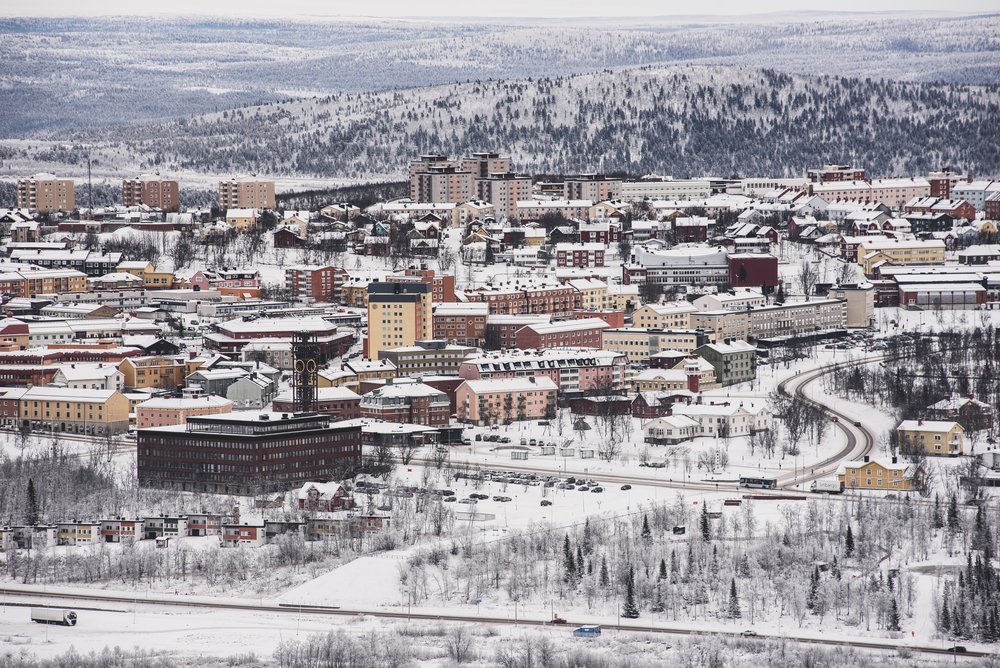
(292, 9)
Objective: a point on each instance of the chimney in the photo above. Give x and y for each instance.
(895, 460)
(693, 375)
(920, 423)
(867, 459)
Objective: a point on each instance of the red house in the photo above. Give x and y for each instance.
(583, 333)
(324, 497)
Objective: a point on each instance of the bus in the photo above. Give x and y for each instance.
(759, 483)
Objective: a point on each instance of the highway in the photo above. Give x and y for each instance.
(65, 599)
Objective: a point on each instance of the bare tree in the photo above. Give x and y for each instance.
(808, 276)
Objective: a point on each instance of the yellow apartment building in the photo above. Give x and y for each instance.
(97, 412)
(154, 372)
(663, 316)
(639, 344)
(399, 314)
(908, 252)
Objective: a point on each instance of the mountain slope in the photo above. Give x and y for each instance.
(683, 120)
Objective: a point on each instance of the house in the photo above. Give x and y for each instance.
(726, 419)
(931, 437)
(243, 535)
(972, 414)
(164, 526)
(670, 430)
(654, 404)
(120, 530)
(94, 376)
(887, 474)
(252, 390)
(733, 361)
(78, 533)
(323, 497)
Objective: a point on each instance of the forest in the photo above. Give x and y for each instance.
(678, 120)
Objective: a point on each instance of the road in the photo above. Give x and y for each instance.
(26, 596)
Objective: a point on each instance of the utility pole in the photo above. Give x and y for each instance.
(90, 188)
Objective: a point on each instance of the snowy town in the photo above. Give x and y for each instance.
(761, 408)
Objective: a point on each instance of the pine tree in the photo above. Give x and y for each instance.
(953, 522)
(579, 563)
(936, 518)
(629, 610)
(605, 580)
(813, 590)
(646, 533)
(658, 605)
(734, 601)
(706, 533)
(849, 542)
(674, 568)
(663, 570)
(569, 564)
(32, 511)
(893, 615)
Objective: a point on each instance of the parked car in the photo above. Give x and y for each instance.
(583, 488)
(626, 487)
(597, 490)
(545, 503)
(449, 499)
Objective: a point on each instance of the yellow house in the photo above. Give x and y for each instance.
(99, 412)
(241, 220)
(890, 475)
(593, 294)
(151, 279)
(932, 437)
(677, 378)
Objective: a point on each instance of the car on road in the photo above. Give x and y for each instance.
(545, 502)
(449, 499)
(749, 634)
(597, 490)
(857, 423)
(626, 487)
(467, 501)
(957, 649)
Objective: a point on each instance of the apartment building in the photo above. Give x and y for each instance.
(596, 187)
(461, 323)
(576, 209)
(525, 297)
(835, 173)
(506, 400)
(676, 315)
(31, 282)
(638, 345)
(98, 412)
(163, 411)
(407, 403)
(242, 283)
(504, 190)
(153, 191)
(246, 192)
(44, 193)
(875, 251)
(733, 361)
(591, 294)
(574, 371)
(796, 318)
(442, 285)
(580, 255)
(678, 267)
(319, 282)
(154, 372)
(428, 358)
(893, 193)
(443, 184)
(579, 333)
(399, 315)
(734, 300)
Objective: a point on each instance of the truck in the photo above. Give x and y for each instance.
(53, 616)
(826, 486)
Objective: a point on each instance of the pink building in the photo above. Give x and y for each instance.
(572, 370)
(162, 412)
(507, 400)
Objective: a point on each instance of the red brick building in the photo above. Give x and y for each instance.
(461, 323)
(756, 270)
(151, 190)
(614, 319)
(584, 333)
(516, 298)
(993, 206)
(602, 232)
(320, 282)
(580, 255)
(501, 330)
(409, 403)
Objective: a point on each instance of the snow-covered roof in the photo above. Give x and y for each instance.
(927, 425)
(185, 403)
(497, 385)
(568, 325)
